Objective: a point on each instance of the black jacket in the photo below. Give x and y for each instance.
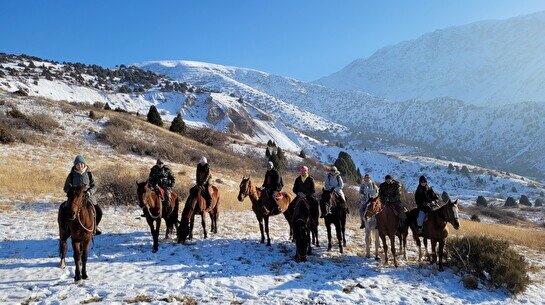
(203, 174)
(306, 187)
(76, 179)
(273, 180)
(390, 193)
(424, 195)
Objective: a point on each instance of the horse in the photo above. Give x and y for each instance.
(300, 223)
(371, 231)
(151, 204)
(81, 226)
(247, 189)
(387, 223)
(435, 229)
(196, 203)
(337, 218)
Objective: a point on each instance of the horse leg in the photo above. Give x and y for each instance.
(315, 231)
(384, 248)
(433, 251)
(76, 246)
(428, 258)
(156, 235)
(267, 230)
(260, 220)
(168, 225)
(377, 243)
(441, 248)
(367, 240)
(308, 242)
(405, 245)
(84, 254)
(343, 226)
(191, 223)
(328, 226)
(291, 237)
(392, 242)
(63, 247)
(338, 231)
(203, 222)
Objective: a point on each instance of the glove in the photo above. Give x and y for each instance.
(301, 194)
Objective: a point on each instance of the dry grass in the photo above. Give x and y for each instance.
(531, 238)
(42, 122)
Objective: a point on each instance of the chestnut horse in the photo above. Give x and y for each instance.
(80, 227)
(387, 223)
(337, 218)
(151, 204)
(435, 229)
(301, 224)
(196, 203)
(247, 189)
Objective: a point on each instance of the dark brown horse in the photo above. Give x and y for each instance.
(80, 227)
(196, 203)
(337, 218)
(151, 204)
(435, 229)
(387, 223)
(247, 189)
(301, 223)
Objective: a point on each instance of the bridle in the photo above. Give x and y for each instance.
(146, 198)
(78, 212)
(454, 218)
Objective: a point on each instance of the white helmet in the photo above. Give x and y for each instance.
(203, 160)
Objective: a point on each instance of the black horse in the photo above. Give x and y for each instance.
(301, 224)
(337, 217)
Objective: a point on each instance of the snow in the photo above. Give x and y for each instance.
(228, 267)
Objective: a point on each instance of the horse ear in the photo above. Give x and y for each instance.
(456, 202)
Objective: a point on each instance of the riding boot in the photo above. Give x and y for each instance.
(98, 217)
(167, 199)
(401, 215)
(208, 196)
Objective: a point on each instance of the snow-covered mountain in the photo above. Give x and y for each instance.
(488, 62)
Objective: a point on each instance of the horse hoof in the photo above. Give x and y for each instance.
(84, 276)
(368, 256)
(154, 250)
(77, 278)
(441, 268)
(63, 265)
(341, 250)
(377, 258)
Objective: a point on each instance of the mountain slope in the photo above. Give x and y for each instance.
(490, 62)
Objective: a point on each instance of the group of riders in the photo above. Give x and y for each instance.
(163, 180)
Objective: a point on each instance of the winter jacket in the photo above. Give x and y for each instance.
(161, 176)
(390, 193)
(307, 187)
(77, 179)
(273, 180)
(368, 190)
(333, 181)
(424, 195)
(203, 174)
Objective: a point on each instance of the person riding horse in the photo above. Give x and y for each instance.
(81, 175)
(334, 182)
(304, 187)
(161, 176)
(368, 189)
(203, 180)
(424, 196)
(390, 193)
(272, 185)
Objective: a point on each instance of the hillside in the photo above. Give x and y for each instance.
(486, 63)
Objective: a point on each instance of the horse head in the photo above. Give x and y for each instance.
(143, 190)
(76, 198)
(373, 207)
(301, 214)
(189, 210)
(327, 195)
(451, 214)
(244, 189)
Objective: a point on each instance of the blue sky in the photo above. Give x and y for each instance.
(301, 39)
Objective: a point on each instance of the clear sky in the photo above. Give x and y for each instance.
(301, 39)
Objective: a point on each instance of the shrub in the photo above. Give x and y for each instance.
(470, 281)
(92, 115)
(115, 187)
(476, 218)
(20, 92)
(42, 122)
(16, 114)
(178, 124)
(510, 202)
(513, 189)
(5, 135)
(525, 201)
(482, 202)
(99, 105)
(207, 136)
(154, 117)
(539, 202)
(490, 260)
(107, 106)
(445, 197)
(303, 154)
(346, 166)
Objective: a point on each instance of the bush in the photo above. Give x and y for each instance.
(510, 202)
(178, 124)
(42, 122)
(92, 115)
(5, 135)
(525, 201)
(482, 202)
(154, 117)
(490, 260)
(303, 154)
(476, 218)
(445, 197)
(470, 281)
(115, 188)
(16, 114)
(20, 92)
(346, 166)
(539, 202)
(107, 107)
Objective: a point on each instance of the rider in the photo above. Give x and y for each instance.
(273, 185)
(160, 175)
(203, 179)
(423, 196)
(368, 189)
(81, 175)
(304, 187)
(390, 193)
(333, 182)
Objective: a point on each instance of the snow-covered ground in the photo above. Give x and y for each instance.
(228, 268)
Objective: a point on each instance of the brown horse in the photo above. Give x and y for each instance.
(387, 223)
(247, 189)
(81, 226)
(151, 204)
(337, 218)
(301, 222)
(196, 203)
(435, 229)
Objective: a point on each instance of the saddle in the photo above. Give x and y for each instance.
(280, 195)
(161, 192)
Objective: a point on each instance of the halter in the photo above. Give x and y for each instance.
(78, 217)
(454, 217)
(145, 201)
